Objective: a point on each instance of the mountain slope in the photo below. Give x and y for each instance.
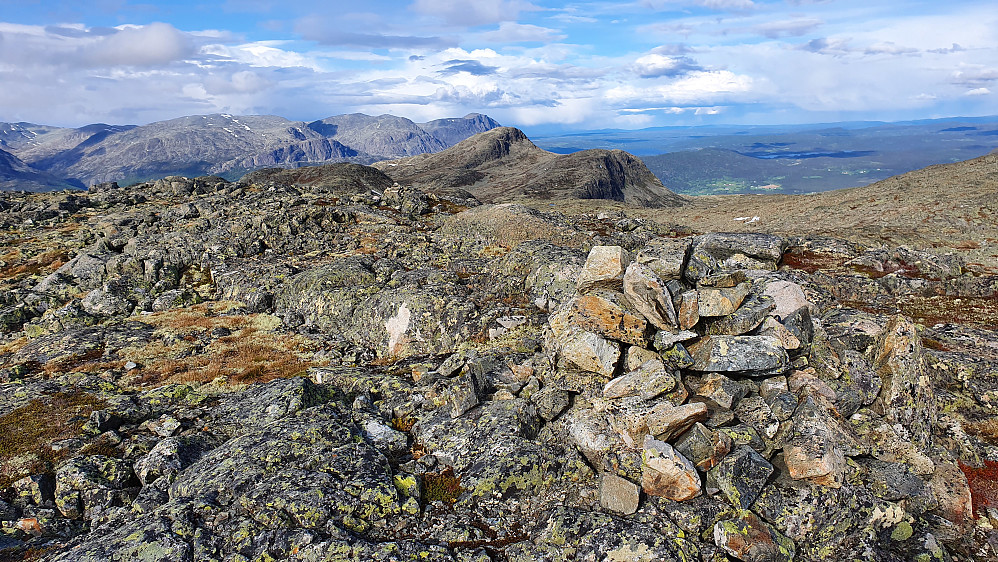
(16, 175)
(224, 144)
(503, 165)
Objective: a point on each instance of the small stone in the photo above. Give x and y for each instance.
(649, 380)
(723, 280)
(752, 312)
(604, 268)
(635, 356)
(722, 390)
(462, 395)
(676, 357)
(591, 352)
(131, 365)
(665, 339)
(551, 402)
(770, 327)
(788, 297)
(687, 306)
(800, 324)
(165, 426)
(666, 420)
(754, 411)
(749, 539)
(721, 302)
(649, 295)
(741, 475)
(666, 473)
(618, 494)
(703, 446)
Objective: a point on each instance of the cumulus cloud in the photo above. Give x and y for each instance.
(473, 12)
(510, 32)
(978, 92)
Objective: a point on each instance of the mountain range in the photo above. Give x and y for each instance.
(219, 144)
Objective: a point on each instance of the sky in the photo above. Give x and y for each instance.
(528, 63)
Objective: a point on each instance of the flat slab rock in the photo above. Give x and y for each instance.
(751, 355)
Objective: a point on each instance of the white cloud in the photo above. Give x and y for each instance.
(510, 32)
(151, 45)
(978, 92)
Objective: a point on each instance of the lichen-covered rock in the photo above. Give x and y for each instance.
(650, 296)
(703, 446)
(748, 538)
(755, 356)
(721, 252)
(604, 312)
(713, 301)
(665, 256)
(667, 473)
(604, 267)
(741, 476)
(590, 352)
(907, 399)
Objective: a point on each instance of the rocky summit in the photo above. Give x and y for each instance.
(331, 364)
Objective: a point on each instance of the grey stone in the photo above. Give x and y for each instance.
(749, 316)
(751, 355)
(721, 302)
(604, 267)
(666, 473)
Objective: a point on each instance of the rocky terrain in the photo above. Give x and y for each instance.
(221, 144)
(503, 165)
(331, 364)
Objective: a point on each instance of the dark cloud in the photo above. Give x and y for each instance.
(415, 58)
(472, 67)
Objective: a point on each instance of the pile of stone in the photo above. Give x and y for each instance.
(696, 371)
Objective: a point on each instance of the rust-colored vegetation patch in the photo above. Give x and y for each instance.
(252, 351)
(811, 261)
(985, 430)
(981, 312)
(31, 429)
(442, 486)
(983, 485)
(21, 265)
(403, 423)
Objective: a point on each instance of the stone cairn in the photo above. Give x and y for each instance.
(710, 380)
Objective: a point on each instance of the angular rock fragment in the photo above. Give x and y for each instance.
(665, 256)
(748, 317)
(666, 339)
(907, 399)
(722, 390)
(649, 295)
(721, 302)
(703, 446)
(551, 402)
(590, 352)
(649, 380)
(750, 539)
(687, 308)
(770, 327)
(604, 267)
(666, 421)
(751, 355)
(788, 297)
(741, 475)
(603, 312)
(618, 494)
(666, 473)
(722, 252)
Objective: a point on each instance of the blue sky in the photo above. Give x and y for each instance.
(528, 63)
